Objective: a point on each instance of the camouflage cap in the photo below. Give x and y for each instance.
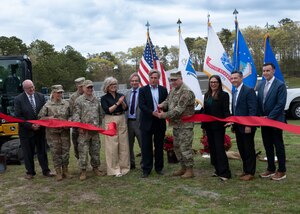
(175, 75)
(57, 88)
(79, 81)
(88, 83)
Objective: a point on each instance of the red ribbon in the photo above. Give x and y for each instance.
(56, 123)
(245, 120)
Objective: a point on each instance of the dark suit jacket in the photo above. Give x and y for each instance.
(275, 101)
(24, 111)
(146, 106)
(218, 108)
(246, 105)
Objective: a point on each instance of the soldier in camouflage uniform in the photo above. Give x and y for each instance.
(180, 102)
(75, 133)
(58, 138)
(88, 110)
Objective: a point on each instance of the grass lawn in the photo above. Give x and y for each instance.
(157, 194)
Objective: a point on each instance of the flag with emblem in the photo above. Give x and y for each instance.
(188, 73)
(216, 60)
(242, 59)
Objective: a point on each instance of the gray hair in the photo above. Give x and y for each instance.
(107, 82)
(154, 71)
(135, 74)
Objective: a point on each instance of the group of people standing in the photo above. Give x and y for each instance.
(269, 103)
(141, 113)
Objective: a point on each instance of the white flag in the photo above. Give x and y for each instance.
(216, 60)
(188, 73)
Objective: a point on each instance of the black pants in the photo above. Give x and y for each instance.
(272, 137)
(245, 143)
(28, 146)
(155, 135)
(217, 152)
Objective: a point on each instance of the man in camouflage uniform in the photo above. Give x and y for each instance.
(87, 110)
(58, 139)
(180, 102)
(79, 85)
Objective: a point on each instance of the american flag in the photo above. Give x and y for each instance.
(150, 61)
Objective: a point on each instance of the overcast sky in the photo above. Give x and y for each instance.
(94, 26)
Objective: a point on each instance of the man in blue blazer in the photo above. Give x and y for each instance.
(244, 103)
(271, 102)
(150, 125)
(27, 106)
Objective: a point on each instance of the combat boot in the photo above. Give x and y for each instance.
(58, 175)
(180, 171)
(82, 176)
(188, 173)
(65, 172)
(98, 172)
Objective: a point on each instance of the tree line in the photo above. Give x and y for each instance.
(52, 67)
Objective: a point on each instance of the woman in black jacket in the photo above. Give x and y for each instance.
(216, 103)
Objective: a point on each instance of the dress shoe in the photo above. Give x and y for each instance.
(223, 178)
(242, 175)
(214, 175)
(159, 173)
(247, 177)
(278, 176)
(144, 175)
(49, 174)
(267, 174)
(28, 177)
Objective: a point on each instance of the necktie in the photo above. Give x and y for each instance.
(132, 106)
(234, 100)
(266, 88)
(32, 103)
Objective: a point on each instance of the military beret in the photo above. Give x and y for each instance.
(57, 88)
(79, 81)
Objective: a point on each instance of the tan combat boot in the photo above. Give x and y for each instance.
(188, 173)
(180, 171)
(58, 175)
(82, 176)
(65, 172)
(98, 172)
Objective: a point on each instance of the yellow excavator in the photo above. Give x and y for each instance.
(13, 71)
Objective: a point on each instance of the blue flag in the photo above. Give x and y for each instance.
(242, 60)
(270, 57)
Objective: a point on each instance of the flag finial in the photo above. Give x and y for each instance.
(147, 25)
(179, 23)
(235, 12)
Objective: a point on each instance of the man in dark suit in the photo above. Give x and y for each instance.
(133, 118)
(150, 125)
(244, 103)
(27, 106)
(271, 102)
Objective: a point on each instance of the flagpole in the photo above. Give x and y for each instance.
(179, 32)
(235, 12)
(148, 39)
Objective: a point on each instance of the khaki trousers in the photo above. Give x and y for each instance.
(116, 147)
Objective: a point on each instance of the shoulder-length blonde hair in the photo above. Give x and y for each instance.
(107, 82)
